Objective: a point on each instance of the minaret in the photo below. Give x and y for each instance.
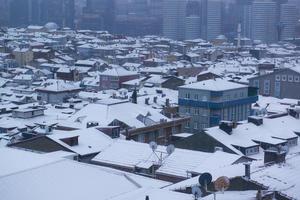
(239, 30)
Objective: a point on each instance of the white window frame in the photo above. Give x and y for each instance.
(267, 89)
(290, 78)
(187, 95)
(277, 78)
(297, 79)
(283, 77)
(196, 125)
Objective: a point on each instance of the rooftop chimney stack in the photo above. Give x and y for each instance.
(226, 126)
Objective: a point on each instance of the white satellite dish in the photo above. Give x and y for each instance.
(153, 145)
(196, 192)
(285, 148)
(170, 149)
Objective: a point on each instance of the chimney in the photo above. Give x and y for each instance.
(226, 126)
(134, 96)
(256, 120)
(247, 170)
(147, 198)
(155, 99)
(147, 101)
(167, 102)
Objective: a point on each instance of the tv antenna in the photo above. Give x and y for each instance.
(159, 154)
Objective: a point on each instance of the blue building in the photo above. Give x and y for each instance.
(211, 101)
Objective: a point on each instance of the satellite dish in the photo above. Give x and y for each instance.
(170, 149)
(285, 148)
(196, 192)
(153, 145)
(222, 183)
(205, 179)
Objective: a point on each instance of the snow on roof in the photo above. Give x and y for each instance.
(245, 134)
(13, 161)
(135, 154)
(154, 194)
(118, 111)
(63, 179)
(234, 195)
(59, 86)
(214, 85)
(182, 161)
(118, 71)
(90, 140)
(177, 164)
(281, 177)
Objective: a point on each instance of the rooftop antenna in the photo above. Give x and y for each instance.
(170, 149)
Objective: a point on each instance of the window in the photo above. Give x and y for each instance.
(283, 77)
(277, 89)
(187, 110)
(197, 112)
(187, 125)
(235, 95)
(196, 97)
(290, 78)
(242, 94)
(277, 78)
(256, 83)
(267, 87)
(195, 125)
(297, 79)
(227, 97)
(187, 95)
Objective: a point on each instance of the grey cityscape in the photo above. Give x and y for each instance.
(149, 99)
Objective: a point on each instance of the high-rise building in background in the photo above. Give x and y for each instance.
(59, 11)
(264, 23)
(20, 13)
(4, 16)
(192, 20)
(288, 20)
(174, 19)
(98, 15)
(213, 19)
(264, 20)
(138, 17)
(245, 16)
